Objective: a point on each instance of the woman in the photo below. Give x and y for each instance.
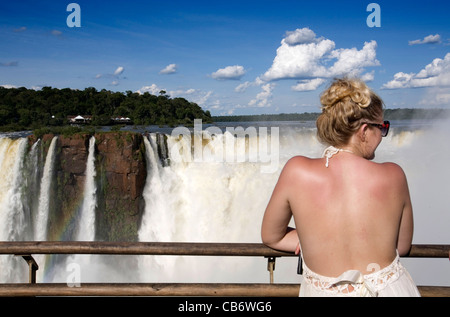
(353, 217)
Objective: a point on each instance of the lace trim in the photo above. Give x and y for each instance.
(354, 283)
(330, 151)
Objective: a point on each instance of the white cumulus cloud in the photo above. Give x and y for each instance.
(119, 70)
(8, 86)
(153, 89)
(300, 36)
(430, 39)
(351, 61)
(311, 60)
(198, 96)
(229, 73)
(435, 74)
(436, 96)
(308, 84)
(263, 99)
(114, 76)
(302, 55)
(169, 69)
(242, 87)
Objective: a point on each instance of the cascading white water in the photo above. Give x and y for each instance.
(209, 199)
(86, 224)
(31, 179)
(85, 231)
(157, 194)
(11, 200)
(212, 201)
(41, 220)
(12, 217)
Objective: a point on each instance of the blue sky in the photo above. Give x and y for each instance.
(231, 57)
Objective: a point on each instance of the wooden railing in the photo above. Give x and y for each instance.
(28, 249)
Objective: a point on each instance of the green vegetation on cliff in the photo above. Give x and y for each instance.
(22, 108)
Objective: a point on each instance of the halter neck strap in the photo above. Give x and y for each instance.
(330, 151)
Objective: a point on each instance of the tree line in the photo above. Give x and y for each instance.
(28, 109)
(23, 109)
(389, 114)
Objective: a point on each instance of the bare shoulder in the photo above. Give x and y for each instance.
(392, 168)
(392, 172)
(292, 167)
(297, 164)
(297, 161)
(298, 168)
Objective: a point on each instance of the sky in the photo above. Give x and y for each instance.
(231, 57)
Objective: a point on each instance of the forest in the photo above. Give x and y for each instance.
(389, 114)
(28, 109)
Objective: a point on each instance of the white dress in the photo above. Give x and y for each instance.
(391, 281)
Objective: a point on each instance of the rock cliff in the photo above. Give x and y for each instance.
(121, 170)
(120, 177)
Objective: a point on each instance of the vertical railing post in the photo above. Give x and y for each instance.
(32, 268)
(271, 267)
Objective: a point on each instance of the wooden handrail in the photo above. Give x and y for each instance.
(27, 248)
(178, 248)
(140, 248)
(152, 289)
(430, 251)
(174, 289)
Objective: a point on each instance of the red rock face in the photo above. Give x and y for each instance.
(121, 174)
(123, 161)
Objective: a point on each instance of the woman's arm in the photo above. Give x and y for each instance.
(406, 229)
(275, 231)
(399, 187)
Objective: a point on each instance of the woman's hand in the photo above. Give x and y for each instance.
(297, 249)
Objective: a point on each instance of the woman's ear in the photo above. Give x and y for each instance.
(362, 132)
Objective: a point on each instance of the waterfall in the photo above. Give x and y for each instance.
(208, 196)
(85, 231)
(41, 221)
(41, 218)
(156, 193)
(212, 200)
(11, 200)
(203, 201)
(12, 217)
(157, 197)
(86, 224)
(31, 178)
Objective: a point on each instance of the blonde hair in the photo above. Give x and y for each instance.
(345, 105)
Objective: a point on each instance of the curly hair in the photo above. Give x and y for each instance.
(345, 105)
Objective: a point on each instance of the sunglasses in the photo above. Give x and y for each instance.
(383, 127)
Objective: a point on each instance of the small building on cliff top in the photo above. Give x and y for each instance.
(79, 119)
(85, 119)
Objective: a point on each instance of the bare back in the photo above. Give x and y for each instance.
(348, 215)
